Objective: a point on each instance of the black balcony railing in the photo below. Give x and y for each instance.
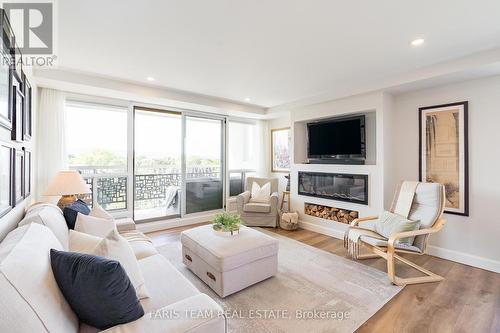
(110, 190)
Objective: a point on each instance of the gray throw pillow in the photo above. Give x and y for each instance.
(389, 224)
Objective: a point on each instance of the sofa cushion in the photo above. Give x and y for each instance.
(71, 212)
(141, 244)
(254, 207)
(94, 225)
(29, 290)
(383, 243)
(164, 282)
(98, 211)
(224, 252)
(50, 216)
(81, 242)
(125, 224)
(115, 247)
(98, 289)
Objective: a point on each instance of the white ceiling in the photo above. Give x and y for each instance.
(274, 51)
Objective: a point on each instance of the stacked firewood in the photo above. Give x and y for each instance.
(331, 213)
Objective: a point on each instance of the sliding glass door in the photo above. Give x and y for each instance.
(204, 186)
(178, 164)
(157, 164)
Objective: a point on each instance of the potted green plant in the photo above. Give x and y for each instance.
(226, 222)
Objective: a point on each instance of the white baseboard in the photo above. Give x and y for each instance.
(460, 257)
(464, 258)
(322, 229)
(173, 223)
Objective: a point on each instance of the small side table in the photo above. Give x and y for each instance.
(231, 205)
(286, 194)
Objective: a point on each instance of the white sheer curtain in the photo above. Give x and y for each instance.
(51, 138)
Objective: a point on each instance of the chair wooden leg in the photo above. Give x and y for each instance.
(391, 272)
(367, 256)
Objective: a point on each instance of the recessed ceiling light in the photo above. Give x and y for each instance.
(247, 99)
(417, 42)
(150, 78)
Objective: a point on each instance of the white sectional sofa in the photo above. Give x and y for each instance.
(32, 302)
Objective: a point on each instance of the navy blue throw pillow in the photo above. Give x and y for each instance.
(71, 212)
(97, 289)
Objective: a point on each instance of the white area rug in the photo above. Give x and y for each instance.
(314, 291)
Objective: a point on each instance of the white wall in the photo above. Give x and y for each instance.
(474, 239)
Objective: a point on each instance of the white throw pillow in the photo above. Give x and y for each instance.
(94, 225)
(113, 247)
(260, 194)
(83, 243)
(98, 211)
(50, 216)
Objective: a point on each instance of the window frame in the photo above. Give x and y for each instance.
(99, 104)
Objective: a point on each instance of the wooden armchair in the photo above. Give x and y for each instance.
(428, 207)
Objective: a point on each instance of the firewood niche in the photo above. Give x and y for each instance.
(331, 213)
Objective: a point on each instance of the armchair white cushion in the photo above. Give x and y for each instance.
(260, 194)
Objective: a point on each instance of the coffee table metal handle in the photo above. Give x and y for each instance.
(210, 275)
(188, 258)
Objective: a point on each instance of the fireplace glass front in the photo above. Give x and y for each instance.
(334, 186)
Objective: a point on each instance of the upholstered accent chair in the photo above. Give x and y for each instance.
(255, 214)
(427, 207)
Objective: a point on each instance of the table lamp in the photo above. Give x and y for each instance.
(67, 184)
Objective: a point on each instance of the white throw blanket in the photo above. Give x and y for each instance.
(404, 202)
(405, 198)
(352, 237)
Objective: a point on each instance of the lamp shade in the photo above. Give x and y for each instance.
(67, 183)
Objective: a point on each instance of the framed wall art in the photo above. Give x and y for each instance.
(17, 106)
(280, 150)
(6, 173)
(18, 176)
(18, 59)
(27, 110)
(5, 63)
(27, 172)
(444, 152)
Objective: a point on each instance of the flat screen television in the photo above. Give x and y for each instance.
(337, 140)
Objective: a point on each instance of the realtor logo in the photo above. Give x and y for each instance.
(32, 24)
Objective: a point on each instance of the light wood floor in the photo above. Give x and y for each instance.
(468, 300)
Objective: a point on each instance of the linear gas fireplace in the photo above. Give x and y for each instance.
(334, 186)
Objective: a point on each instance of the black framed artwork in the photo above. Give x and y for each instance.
(18, 59)
(27, 172)
(17, 106)
(5, 63)
(7, 32)
(443, 152)
(5, 112)
(27, 110)
(6, 175)
(18, 176)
